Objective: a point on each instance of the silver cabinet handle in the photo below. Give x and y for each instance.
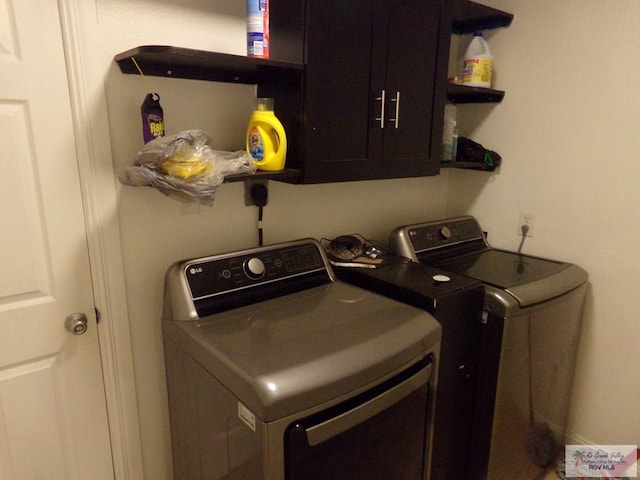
(382, 99)
(396, 119)
(76, 323)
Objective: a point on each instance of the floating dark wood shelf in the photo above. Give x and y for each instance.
(461, 164)
(177, 62)
(288, 175)
(464, 94)
(469, 17)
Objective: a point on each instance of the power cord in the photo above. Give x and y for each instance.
(525, 229)
(260, 195)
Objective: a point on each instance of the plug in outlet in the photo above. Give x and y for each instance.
(249, 199)
(528, 219)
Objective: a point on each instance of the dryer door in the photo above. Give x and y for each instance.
(381, 434)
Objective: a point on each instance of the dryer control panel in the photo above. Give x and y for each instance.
(221, 282)
(220, 274)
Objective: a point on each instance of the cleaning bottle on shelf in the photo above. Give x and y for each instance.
(478, 63)
(449, 134)
(266, 139)
(258, 28)
(152, 117)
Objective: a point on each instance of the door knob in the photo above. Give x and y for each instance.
(76, 323)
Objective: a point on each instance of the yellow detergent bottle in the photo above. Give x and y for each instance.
(266, 140)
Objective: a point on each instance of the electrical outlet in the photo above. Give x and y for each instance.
(248, 185)
(528, 219)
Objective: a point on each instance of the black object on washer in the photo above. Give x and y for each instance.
(456, 302)
(277, 370)
(531, 326)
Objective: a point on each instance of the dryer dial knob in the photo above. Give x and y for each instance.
(444, 232)
(254, 268)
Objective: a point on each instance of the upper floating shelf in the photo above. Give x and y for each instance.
(469, 17)
(177, 62)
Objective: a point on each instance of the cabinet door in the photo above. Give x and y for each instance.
(413, 128)
(338, 90)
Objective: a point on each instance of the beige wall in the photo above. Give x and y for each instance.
(564, 130)
(567, 131)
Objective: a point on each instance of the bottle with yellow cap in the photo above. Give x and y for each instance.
(266, 139)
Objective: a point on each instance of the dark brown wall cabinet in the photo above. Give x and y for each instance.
(373, 93)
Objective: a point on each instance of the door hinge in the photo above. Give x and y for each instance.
(97, 314)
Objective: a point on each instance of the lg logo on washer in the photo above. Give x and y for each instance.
(194, 270)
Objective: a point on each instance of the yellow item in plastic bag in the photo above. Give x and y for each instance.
(183, 168)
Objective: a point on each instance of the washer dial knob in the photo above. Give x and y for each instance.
(254, 268)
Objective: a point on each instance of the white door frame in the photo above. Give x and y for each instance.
(105, 253)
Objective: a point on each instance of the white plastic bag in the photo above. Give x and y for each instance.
(184, 166)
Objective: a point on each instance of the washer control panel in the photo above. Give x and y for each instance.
(434, 235)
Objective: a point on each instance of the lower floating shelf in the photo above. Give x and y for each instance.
(465, 94)
(288, 175)
(469, 166)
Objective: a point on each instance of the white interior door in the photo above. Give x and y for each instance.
(53, 420)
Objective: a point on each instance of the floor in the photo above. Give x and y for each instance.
(551, 475)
